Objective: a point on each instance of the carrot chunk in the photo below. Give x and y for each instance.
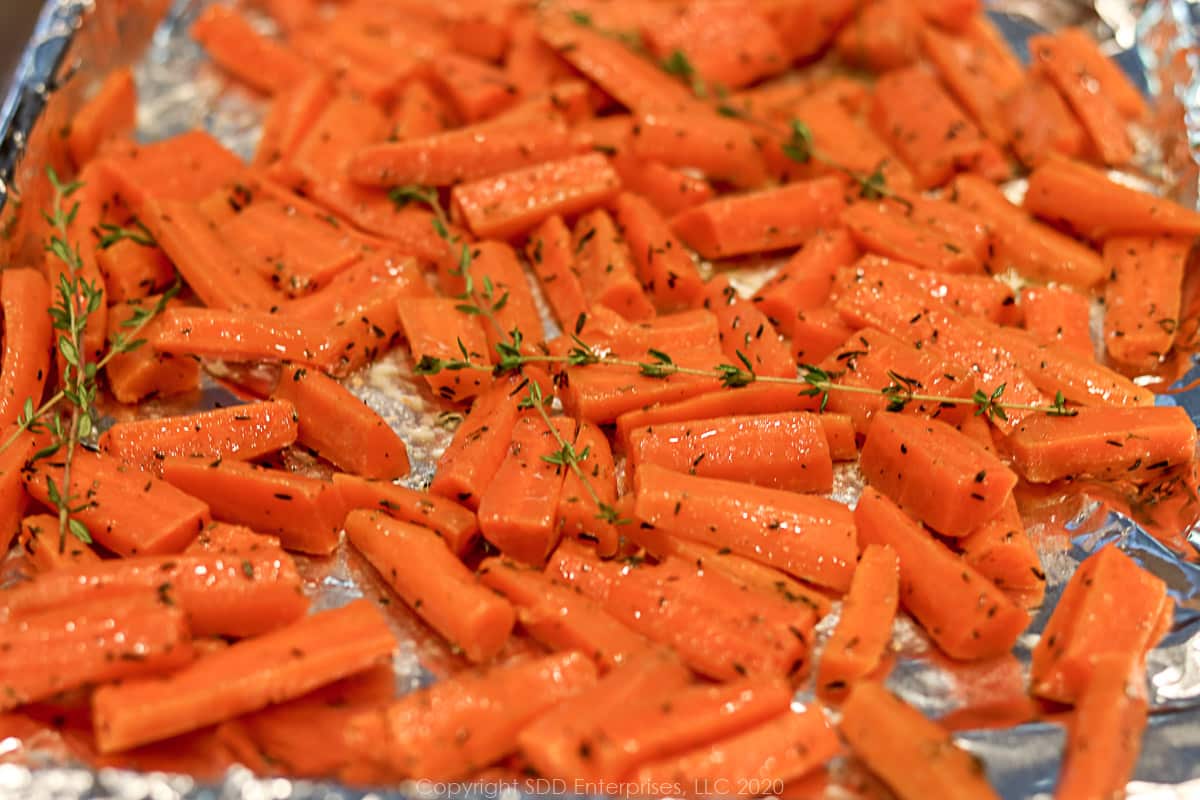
(108, 114)
(807, 27)
(1058, 316)
(723, 149)
(185, 168)
(25, 300)
(884, 36)
(927, 233)
(247, 676)
(965, 615)
(745, 332)
(143, 373)
(808, 537)
(496, 263)
(600, 394)
(455, 524)
(1001, 550)
(479, 446)
(579, 514)
(291, 114)
(221, 537)
(46, 550)
(1040, 123)
(973, 76)
(477, 89)
(668, 190)
(302, 512)
(914, 756)
(437, 329)
(1142, 297)
(666, 269)
(133, 270)
(431, 580)
(971, 295)
(817, 333)
(243, 336)
(262, 63)
(865, 626)
(806, 280)
(724, 42)
(605, 267)
(550, 252)
(1114, 84)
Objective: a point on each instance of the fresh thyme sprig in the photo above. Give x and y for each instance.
(112, 234)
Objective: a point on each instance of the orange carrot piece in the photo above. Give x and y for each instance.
(668, 190)
(1114, 83)
(1059, 316)
(600, 393)
(550, 252)
(455, 524)
(816, 334)
(132, 270)
(807, 27)
(772, 219)
(480, 445)
(1084, 199)
(1036, 251)
(725, 42)
(431, 580)
(914, 756)
(125, 510)
(519, 509)
(926, 233)
(779, 750)
(245, 677)
(746, 333)
(808, 537)
(291, 114)
(230, 41)
(242, 336)
(1096, 111)
(963, 612)
(970, 295)
(221, 537)
(865, 626)
(420, 112)
(25, 301)
(664, 266)
(109, 114)
(1040, 123)
(463, 154)
(953, 15)
(530, 64)
(242, 432)
(605, 328)
(443, 731)
(514, 202)
(497, 263)
(962, 485)
(143, 373)
(476, 89)
(929, 131)
(66, 648)
(972, 76)
(781, 451)
(341, 428)
(721, 148)
(302, 512)
(186, 168)
(883, 36)
(89, 202)
(1142, 298)
(1002, 551)
(556, 615)
(1108, 585)
(580, 515)
(437, 329)
(605, 267)
(46, 551)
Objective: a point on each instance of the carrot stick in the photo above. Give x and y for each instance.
(808, 27)
(62, 649)
(926, 233)
(246, 595)
(1108, 585)
(476, 89)
(514, 202)
(746, 333)
(186, 168)
(302, 512)
(664, 266)
(431, 580)
(965, 615)
(1040, 123)
(1001, 550)
(519, 509)
(127, 512)
(781, 451)
(144, 373)
(40, 543)
(1059, 316)
(230, 41)
(556, 615)
(970, 295)
(385, 274)
(724, 43)
(605, 267)
(550, 252)
(221, 537)
(1085, 200)
(772, 219)
(883, 36)
(962, 486)
(972, 76)
(600, 394)
(108, 114)
(25, 300)
(132, 270)
(929, 132)
(666, 189)
(1142, 298)
(341, 428)
(699, 328)
(1113, 82)
(291, 114)
(420, 112)
(242, 432)
(479, 446)
(578, 513)
(808, 537)
(89, 202)
(914, 756)
(805, 281)
(530, 64)
(723, 149)
(865, 626)
(242, 336)
(278, 666)
(497, 263)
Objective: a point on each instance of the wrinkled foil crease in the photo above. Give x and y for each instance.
(179, 90)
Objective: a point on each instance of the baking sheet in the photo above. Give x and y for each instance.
(179, 91)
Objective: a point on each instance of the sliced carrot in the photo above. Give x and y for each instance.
(85, 215)
(579, 514)
(514, 202)
(1094, 108)
(519, 509)
(1108, 585)
(550, 252)
(292, 113)
(477, 89)
(25, 301)
(1114, 83)
(1040, 123)
(443, 731)
(783, 451)
(496, 264)
(972, 75)
(605, 267)
(1085, 200)
(124, 509)
(963, 612)
(668, 190)
(530, 64)
(726, 43)
(807, 537)
(699, 328)
(362, 62)
(665, 267)
(817, 333)
(420, 112)
(185, 168)
(970, 295)
(559, 617)
(779, 750)
(865, 626)
(455, 524)
(431, 580)
(256, 60)
(66, 648)
(929, 131)
(772, 219)
(480, 445)
(278, 666)
(108, 114)
(242, 336)
(746, 334)
(1059, 316)
(302, 512)
(924, 232)
(242, 432)
(341, 428)
(953, 15)
(243, 595)
(221, 537)
(437, 328)
(721, 148)
(807, 28)
(885, 35)
(963, 485)
(601, 393)
(1142, 298)
(914, 756)
(46, 550)
(143, 373)
(1001, 550)
(133, 270)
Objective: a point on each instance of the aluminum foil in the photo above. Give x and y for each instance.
(76, 44)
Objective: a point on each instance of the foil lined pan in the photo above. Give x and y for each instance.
(75, 44)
